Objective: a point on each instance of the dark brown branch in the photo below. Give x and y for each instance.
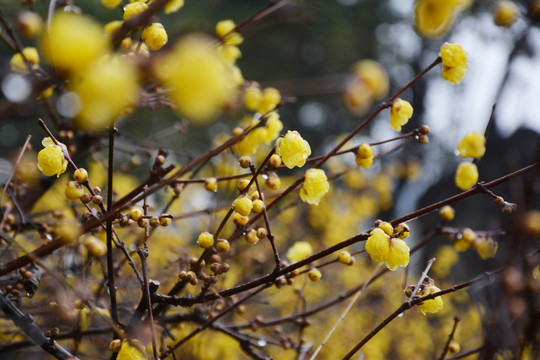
(26, 323)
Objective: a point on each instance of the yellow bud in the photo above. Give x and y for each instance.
(505, 13)
(314, 275)
(205, 240)
(154, 36)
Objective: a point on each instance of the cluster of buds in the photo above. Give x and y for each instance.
(427, 287)
(466, 238)
(136, 214)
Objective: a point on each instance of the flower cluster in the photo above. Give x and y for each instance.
(261, 135)
(454, 60)
(466, 238)
(385, 244)
(315, 186)
(472, 145)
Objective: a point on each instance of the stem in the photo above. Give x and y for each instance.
(450, 337)
(409, 304)
(110, 263)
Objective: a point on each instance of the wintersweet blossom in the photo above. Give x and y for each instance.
(472, 145)
(293, 150)
(365, 156)
(466, 175)
(299, 251)
(390, 249)
(315, 186)
(454, 60)
(51, 160)
(400, 114)
(431, 305)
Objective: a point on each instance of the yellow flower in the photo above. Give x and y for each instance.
(299, 251)
(18, 64)
(293, 150)
(173, 6)
(365, 156)
(197, 77)
(486, 247)
(373, 75)
(134, 9)
(154, 36)
(252, 97)
(315, 186)
(466, 239)
(447, 213)
(225, 31)
(472, 145)
(74, 191)
(242, 205)
(314, 275)
(435, 17)
(466, 175)
(29, 23)
(454, 60)
(130, 352)
(269, 100)
(432, 305)
(400, 114)
(73, 42)
(505, 13)
(205, 240)
(229, 53)
(105, 90)
(51, 160)
(378, 245)
(398, 256)
(369, 83)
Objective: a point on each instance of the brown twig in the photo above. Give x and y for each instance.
(409, 304)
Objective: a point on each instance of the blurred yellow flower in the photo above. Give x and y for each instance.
(299, 251)
(466, 175)
(199, 81)
(18, 64)
(105, 90)
(73, 42)
(433, 18)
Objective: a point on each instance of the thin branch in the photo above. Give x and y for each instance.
(26, 323)
(450, 337)
(409, 304)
